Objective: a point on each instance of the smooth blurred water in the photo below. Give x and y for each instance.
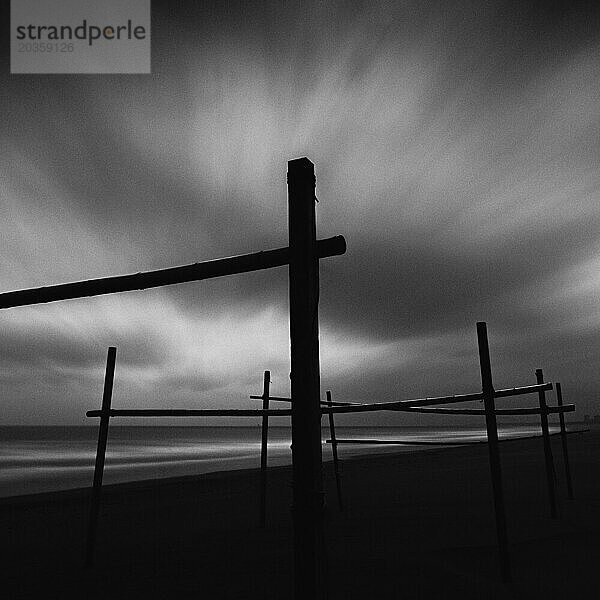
(40, 459)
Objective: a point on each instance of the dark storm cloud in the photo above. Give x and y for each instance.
(413, 287)
(59, 346)
(456, 148)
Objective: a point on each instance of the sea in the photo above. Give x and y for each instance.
(43, 459)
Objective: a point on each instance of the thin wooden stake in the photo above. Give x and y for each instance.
(334, 448)
(263, 450)
(563, 436)
(550, 472)
(305, 383)
(494, 454)
(100, 456)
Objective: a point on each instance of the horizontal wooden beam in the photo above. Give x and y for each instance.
(204, 412)
(322, 402)
(499, 411)
(406, 405)
(403, 406)
(360, 441)
(526, 389)
(244, 263)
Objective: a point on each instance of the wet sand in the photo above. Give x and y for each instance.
(416, 525)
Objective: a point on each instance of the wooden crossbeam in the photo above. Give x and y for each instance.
(443, 443)
(322, 402)
(403, 442)
(402, 405)
(498, 411)
(434, 410)
(200, 412)
(243, 263)
(283, 412)
(454, 399)
(519, 391)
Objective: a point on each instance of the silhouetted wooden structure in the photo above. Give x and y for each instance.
(233, 265)
(307, 509)
(488, 395)
(329, 407)
(263, 450)
(492, 436)
(417, 442)
(307, 408)
(435, 401)
(549, 460)
(100, 456)
(302, 256)
(563, 435)
(334, 450)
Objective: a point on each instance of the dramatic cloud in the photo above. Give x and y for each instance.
(456, 149)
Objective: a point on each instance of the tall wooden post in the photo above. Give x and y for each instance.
(305, 382)
(492, 438)
(100, 455)
(334, 449)
(550, 473)
(263, 449)
(563, 437)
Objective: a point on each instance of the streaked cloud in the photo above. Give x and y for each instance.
(456, 148)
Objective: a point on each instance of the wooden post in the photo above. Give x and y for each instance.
(334, 448)
(494, 454)
(100, 455)
(550, 473)
(563, 437)
(305, 382)
(263, 450)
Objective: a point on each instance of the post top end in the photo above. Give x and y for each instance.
(300, 164)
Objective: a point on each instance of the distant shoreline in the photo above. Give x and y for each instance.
(407, 515)
(182, 468)
(501, 423)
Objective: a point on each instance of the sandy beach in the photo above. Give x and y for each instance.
(416, 525)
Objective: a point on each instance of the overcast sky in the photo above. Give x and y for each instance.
(456, 147)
